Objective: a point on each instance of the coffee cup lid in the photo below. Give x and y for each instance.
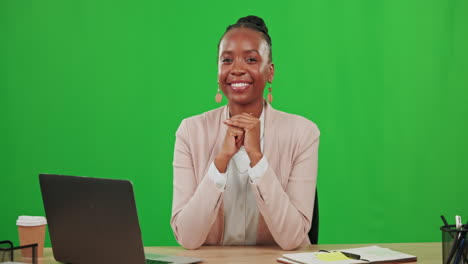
(25, 220)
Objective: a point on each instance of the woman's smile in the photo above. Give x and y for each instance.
(239, 86)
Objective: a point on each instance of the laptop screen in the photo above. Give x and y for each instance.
(92, 220)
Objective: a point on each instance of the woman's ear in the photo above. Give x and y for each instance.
(271, 72)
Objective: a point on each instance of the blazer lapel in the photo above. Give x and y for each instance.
(270, 147)
(219, 139)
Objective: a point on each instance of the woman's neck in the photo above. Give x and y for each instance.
(255, 109)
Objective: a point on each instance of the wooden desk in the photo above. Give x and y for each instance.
(427, 253)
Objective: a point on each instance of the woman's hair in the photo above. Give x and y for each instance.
(255, 23)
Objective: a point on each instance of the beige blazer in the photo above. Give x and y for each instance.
(285, 193)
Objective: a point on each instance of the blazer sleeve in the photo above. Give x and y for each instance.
(195, 202)
(288, 212)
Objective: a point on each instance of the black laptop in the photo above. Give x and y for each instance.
(93, 220)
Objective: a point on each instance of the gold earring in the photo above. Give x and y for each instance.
(218, 96)
(270, 95)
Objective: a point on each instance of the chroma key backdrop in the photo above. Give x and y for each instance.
(98, 88)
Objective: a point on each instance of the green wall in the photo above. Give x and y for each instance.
(98, 88)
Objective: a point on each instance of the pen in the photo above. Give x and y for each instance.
(347, 254)
(444, 220)
(351, 255)
(460, 251)
(446, 225)
(458, 221)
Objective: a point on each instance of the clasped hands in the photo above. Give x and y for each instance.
(243, 130)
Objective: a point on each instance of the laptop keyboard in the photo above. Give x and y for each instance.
(152, 261)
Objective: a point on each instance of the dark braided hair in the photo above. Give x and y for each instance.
(255, 23)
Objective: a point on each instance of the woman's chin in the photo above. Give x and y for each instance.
(242, 99)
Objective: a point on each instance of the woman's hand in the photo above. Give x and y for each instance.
(250, 125)
(233, 140)
(243, 130)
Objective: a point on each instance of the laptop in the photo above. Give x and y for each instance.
(93, 220)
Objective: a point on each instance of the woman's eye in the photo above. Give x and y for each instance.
(226, 60)
(250, 60)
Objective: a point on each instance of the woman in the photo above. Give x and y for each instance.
(245, 173)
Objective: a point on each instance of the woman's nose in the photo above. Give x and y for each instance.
(237, 68)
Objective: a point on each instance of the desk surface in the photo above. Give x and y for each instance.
(427, 253)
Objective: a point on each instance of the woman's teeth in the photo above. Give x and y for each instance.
(239, 85)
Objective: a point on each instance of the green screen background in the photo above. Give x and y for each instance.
(98, 88)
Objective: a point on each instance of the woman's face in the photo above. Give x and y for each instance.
(244, 66)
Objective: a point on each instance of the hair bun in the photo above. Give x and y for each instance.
(257, 21)
(254, 23)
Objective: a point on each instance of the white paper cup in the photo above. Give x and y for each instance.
(31, 230)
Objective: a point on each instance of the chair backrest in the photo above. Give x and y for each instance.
(314, 230)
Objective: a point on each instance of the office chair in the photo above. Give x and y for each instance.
(314, 230)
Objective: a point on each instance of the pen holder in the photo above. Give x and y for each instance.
(11, 254)
(454, 244)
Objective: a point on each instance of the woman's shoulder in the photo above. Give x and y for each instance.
(206, 116)
(293, 122)
(204, 120)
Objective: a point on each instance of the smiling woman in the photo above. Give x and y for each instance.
(245, 173)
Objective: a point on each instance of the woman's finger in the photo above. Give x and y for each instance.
(236, 130)
(240, 141)
(245, 117)
(242, 123)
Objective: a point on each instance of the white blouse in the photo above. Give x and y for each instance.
(240, 206)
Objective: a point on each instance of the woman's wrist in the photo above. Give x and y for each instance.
(221, 161)
(255, 157)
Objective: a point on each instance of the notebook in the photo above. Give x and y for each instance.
(372, 254)
(93, 220)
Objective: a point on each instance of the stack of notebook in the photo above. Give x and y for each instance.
(372, 254)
